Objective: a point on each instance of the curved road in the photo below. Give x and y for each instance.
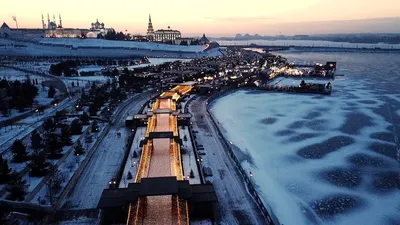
(235, 203)
(105, 162)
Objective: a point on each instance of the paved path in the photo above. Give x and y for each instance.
(236, 204)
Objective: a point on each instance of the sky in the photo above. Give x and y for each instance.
(214, 17)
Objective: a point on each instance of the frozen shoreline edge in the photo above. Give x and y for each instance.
(264, 207)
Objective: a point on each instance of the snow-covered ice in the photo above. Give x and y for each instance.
(323, 159)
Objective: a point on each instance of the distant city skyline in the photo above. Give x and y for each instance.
(215, 18)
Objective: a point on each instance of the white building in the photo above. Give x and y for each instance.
(167, 35)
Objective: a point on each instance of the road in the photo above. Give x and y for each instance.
(105, 162)
(235, 203)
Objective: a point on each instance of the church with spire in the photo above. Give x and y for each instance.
(51, 24)
(150, 30)
(162, 35)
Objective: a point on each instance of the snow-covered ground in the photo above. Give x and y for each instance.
(132, 163)
(201, 222)
(236, 206)
(80, 221)
(69, 166)
(188, 157)
(12, 75)
(104, 48)
(100, 79)
(7, 133)
(31, 123)
(120, 44)
(324, 159)
(104, 163)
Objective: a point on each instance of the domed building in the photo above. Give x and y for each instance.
(204, 40)
(97, 25)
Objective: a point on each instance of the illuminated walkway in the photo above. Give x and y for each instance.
(161, 158)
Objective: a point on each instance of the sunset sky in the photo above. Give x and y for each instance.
(215, 18)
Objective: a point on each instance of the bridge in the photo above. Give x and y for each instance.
(161, 158)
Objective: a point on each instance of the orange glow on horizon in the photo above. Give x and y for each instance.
(212, 17)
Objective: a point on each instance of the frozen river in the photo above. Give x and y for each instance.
(324, 159)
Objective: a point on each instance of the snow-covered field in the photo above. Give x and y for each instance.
(69, 166)
(188, 157)
(80, 221)
(132, 163)
(97, 47)
(124, 44)
(10, 74)
(104, 163)
(324, 159)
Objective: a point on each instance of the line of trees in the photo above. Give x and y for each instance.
(18, 95)
(48, 145)
(69, 67)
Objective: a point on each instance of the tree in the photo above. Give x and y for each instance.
(36, 140)
(114, 72)
(5, 171)
(79, 150)
(16, 188)
(66, 135)
(95, 127)
(76, 127)
(191, 175)
(6, 218)
(129, 175)
(184, 42)
(38, 165)
(54, 178)
(51, 92)
(85, 118)
(48, 125)
(92, 110)
(53, 146)
(134, 154)
(5, 111)
(19, 151)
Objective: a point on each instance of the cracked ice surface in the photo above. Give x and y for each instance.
(324, 159)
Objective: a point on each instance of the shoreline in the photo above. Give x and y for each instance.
(265, 209)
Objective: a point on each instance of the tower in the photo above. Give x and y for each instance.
(60, 20)
(43, 25)
(54, 18)
(150, 30)
(48, 21)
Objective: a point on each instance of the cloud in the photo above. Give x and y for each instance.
(241, 19)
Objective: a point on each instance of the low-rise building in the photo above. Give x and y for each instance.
(166, 35)
(178, 41)
(4, 30)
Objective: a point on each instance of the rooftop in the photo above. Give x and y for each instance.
(157, 186)
(4, 25)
